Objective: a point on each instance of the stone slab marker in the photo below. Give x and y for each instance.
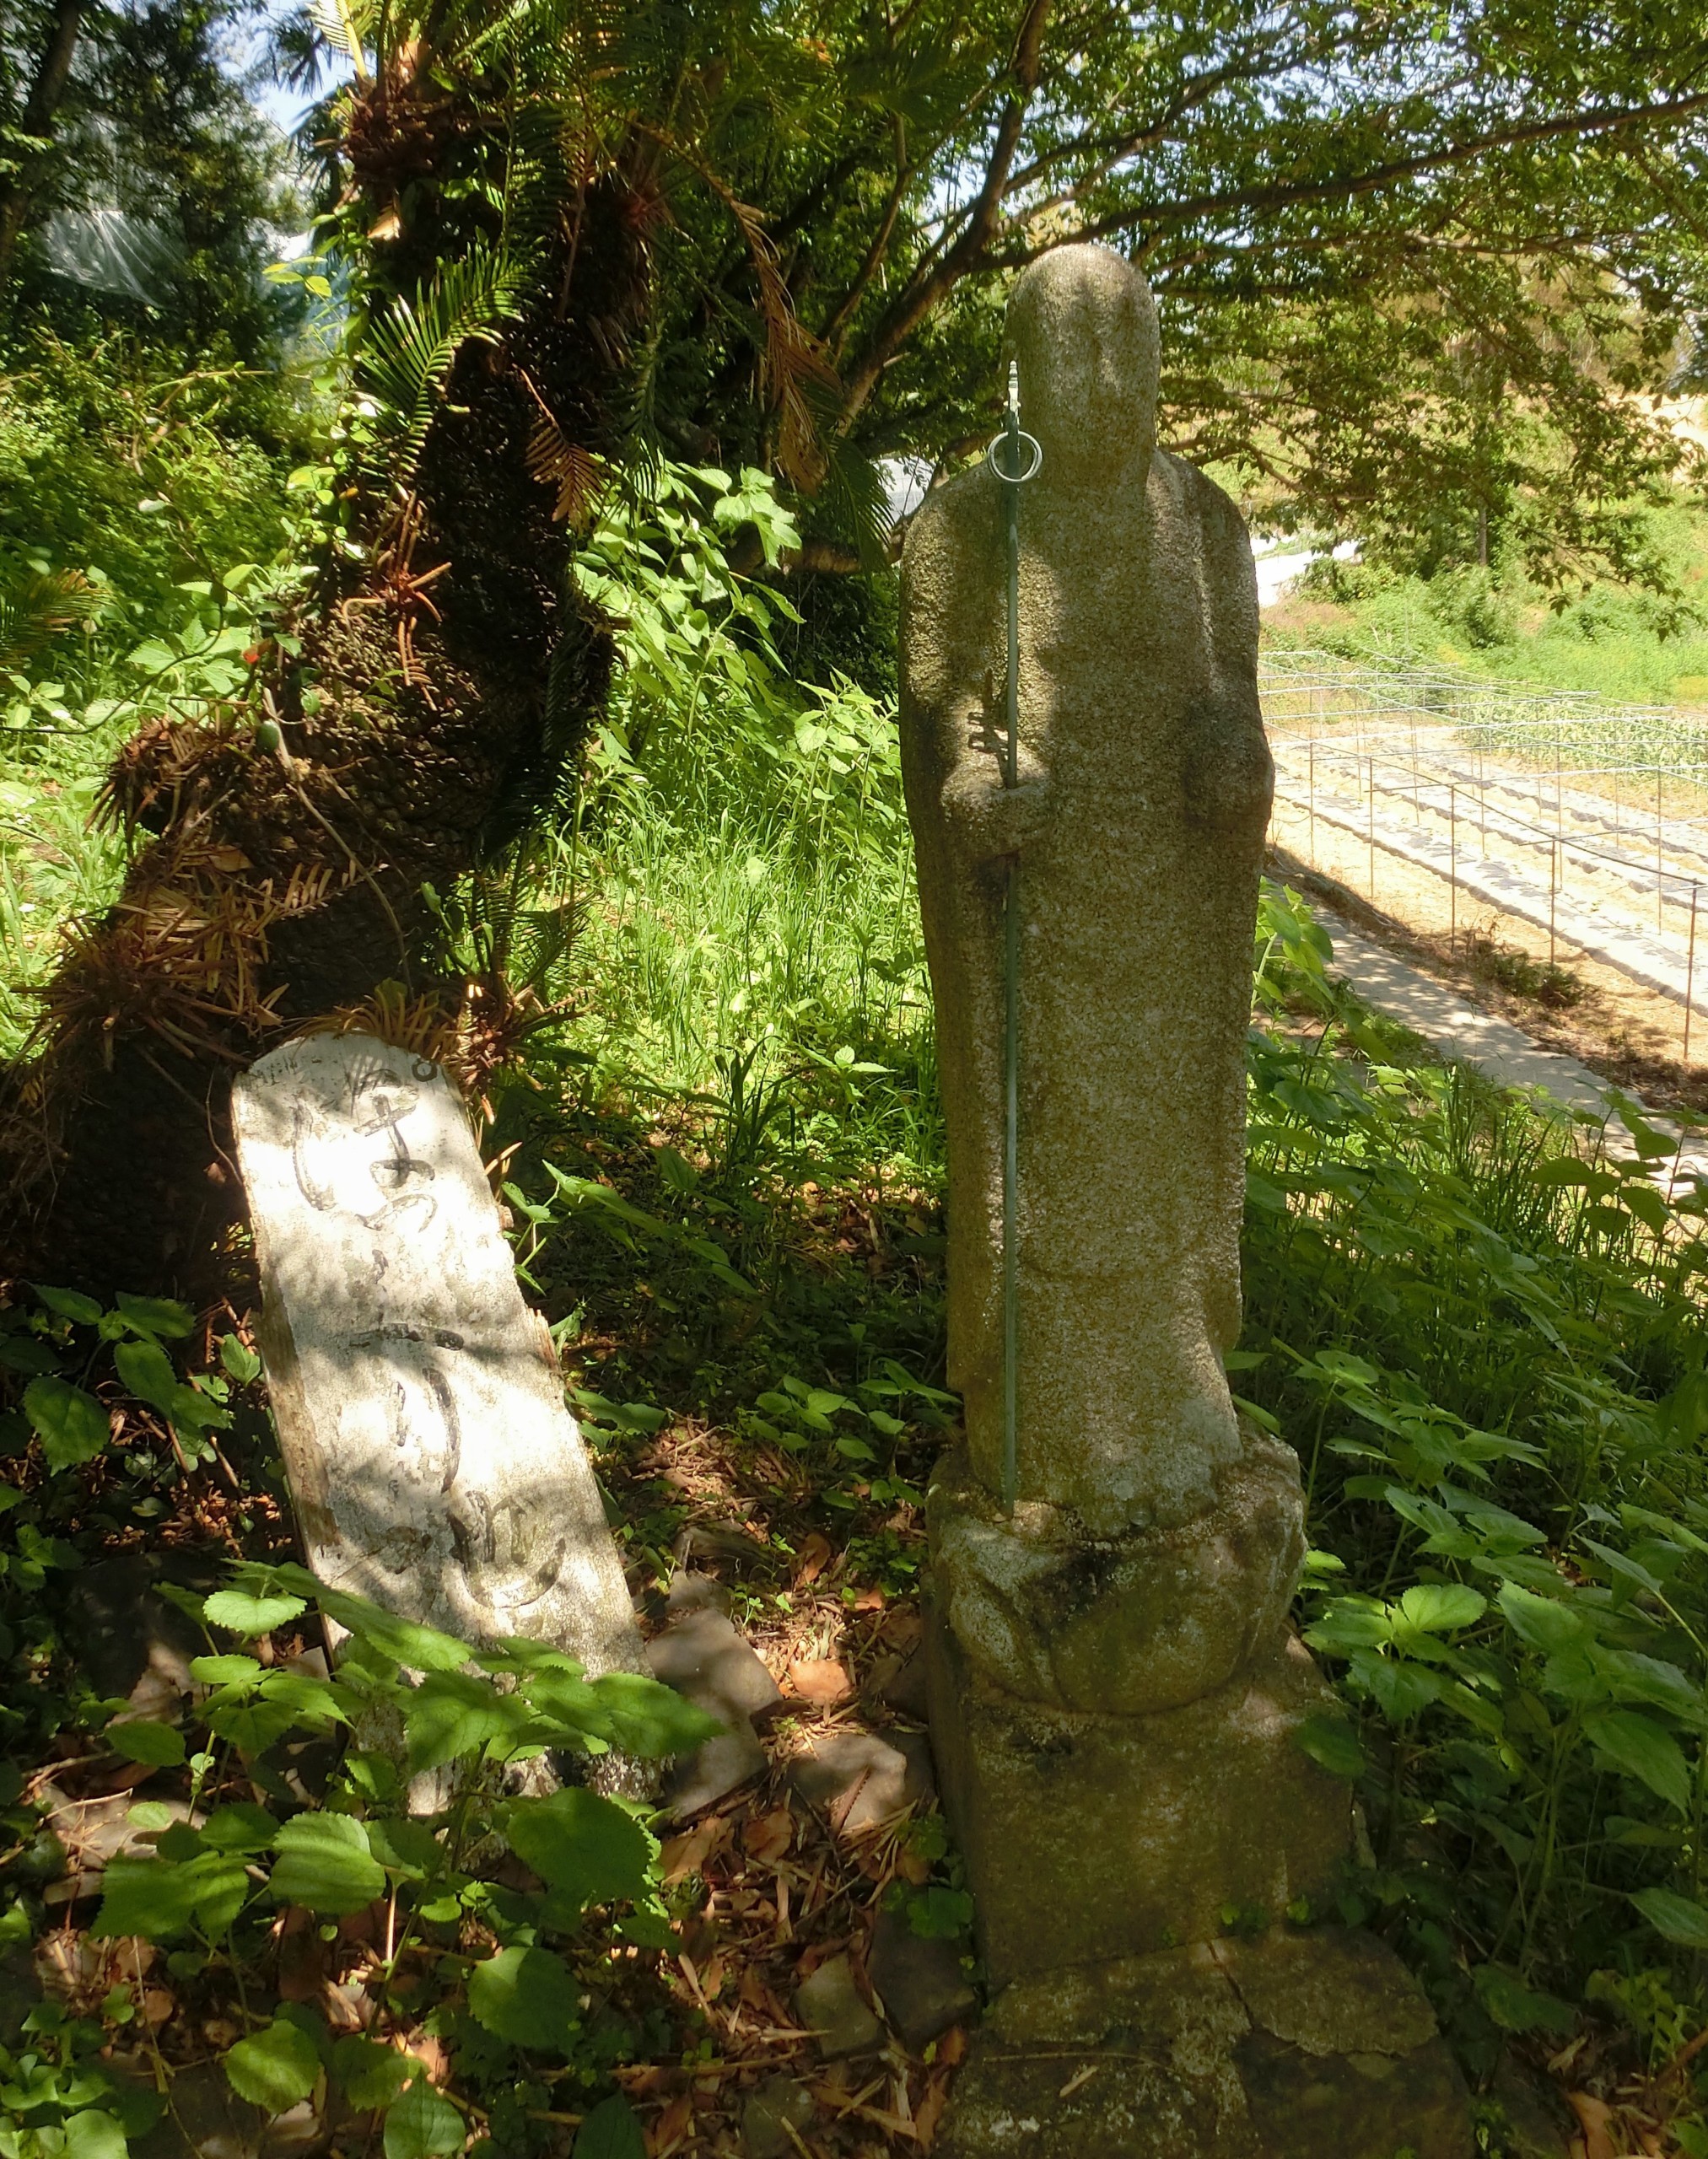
(1115, 1691)
(434, 1466)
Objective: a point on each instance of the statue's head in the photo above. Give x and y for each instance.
(1082, 325)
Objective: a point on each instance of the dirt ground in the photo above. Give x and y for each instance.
(1628, 1034)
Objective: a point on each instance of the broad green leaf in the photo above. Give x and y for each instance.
(1402, 1689)
(643, 1716)
(421, 2124)
(424, 1649)
(611, 2131)
(527, 1996)
(1442, 1607)
(92, 2133)
(238, 1359)
(1675, 1917)
(1333, 1744)
(235, 1610)
(159, 1316)
(147, 1371)
(938, 1913)
(407, 1847)
(1643, 1749)
(1541, 1623)
(451, 1714)
(273, 2068)
(1349, 1623)
(69, 1304)
(1516, 2007)
(369, 2074)
(242, 1827)
(71, 1426)
(225, 1671)
(148, 1897)
(325, 1863)
(142, 1739)
(586, 1847)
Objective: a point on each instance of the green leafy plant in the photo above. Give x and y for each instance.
(419, 1833)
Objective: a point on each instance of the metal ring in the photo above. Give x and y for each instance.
(1015, 479)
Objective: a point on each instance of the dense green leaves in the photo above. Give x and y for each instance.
(611, 2131)
(422, 2125)
(140, 1739)
(244, 1614)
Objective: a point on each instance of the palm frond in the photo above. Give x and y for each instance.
(578, 477)
(792, 361)
(854, 501)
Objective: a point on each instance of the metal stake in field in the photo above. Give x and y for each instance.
(1014, 474)
(1370, 764)
(1659, 860)
(1552, 887)
(1452, 868)
(1690, 972)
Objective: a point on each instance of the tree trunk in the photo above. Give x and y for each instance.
(421, 726)
(37, 118)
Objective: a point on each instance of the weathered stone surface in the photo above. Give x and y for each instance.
(1130, 1624)
(692, 1592)
(1539, 2123)
(207, 2121)
(1138, 829)
(705, 1658)
(1114, 1696)
(900, 1684)
(433, 1465)
(704, 1655)
(830, 2006)
(781, 2104)
(1172, 2056)
(859, 1779)
(1089, 1837)
(919, 1982)
(129, 1640)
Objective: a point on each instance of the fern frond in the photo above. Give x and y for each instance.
(43, 606)
(408, 352)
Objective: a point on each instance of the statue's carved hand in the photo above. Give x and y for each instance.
(991, 822)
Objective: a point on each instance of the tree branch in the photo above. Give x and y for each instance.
(36, 120)
(916, 300)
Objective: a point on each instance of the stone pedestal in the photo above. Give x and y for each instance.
(1088, 1836)
(1307, 2045)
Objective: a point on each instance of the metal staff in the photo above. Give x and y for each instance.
(1014, 475)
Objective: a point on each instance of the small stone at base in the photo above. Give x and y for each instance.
(830, 2006)
(919, 1982)
(780, 2104)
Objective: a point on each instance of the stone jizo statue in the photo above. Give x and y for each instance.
(1116, 1695)
(1139, 820)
